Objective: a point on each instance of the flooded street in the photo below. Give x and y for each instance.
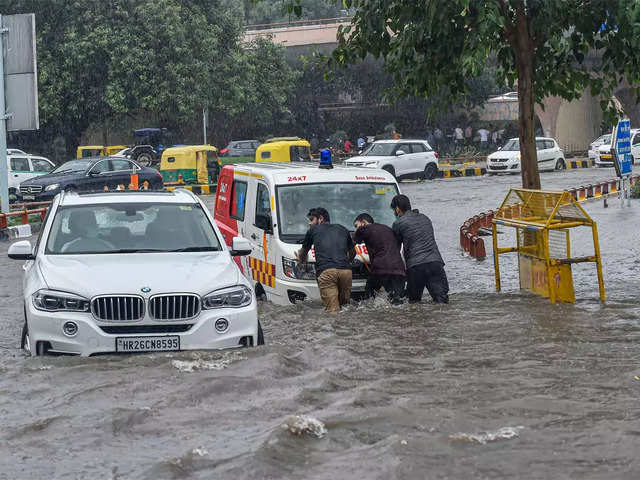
(491, 386)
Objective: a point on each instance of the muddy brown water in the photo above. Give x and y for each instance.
(491, 386)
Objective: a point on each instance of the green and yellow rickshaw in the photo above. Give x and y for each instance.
(190, 164)
(98, 150)
(284, 149)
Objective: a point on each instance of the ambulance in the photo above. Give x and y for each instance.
(267, 203)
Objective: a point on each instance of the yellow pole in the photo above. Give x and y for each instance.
(596, 247)
(547, 262)
(496, 262)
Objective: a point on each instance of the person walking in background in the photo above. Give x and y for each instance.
(468, 133)
(484, 138)
(361, 142)
(347, 146)
(334, 251)
(386, 265)
(425, 267)
(458, 135)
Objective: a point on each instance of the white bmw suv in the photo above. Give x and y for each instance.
(134, 272)
(401, 158)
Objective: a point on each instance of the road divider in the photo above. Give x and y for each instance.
(468, 169)
(473, 228)
(197, 189)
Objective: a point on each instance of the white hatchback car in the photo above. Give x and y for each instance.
(605, 157)
(24, 167)
(134, 272)
(401, 158)
(594, 147)
(507, 159)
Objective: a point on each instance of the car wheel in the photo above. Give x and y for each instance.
(390, 169)
(430, 171)
(144, 159)
(260, 334)
(25, 343)
(560, 164)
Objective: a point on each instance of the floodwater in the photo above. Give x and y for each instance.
(492, 386)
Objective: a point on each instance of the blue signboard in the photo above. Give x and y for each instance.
(621, 144)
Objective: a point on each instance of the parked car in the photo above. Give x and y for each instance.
(402, 158)
(134, 271)
(15, 151)
(605, 157)
(507, 158)
(24, 167)
(240, 148)
(594, 147)
(88, 174)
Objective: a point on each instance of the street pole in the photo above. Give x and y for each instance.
(204, 125)
(4, 170)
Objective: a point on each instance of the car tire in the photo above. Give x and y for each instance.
(430, 172)
(560, 165)
(390, 169)
(144, 159)
(260, 334)
(260, 293)
(25, 344)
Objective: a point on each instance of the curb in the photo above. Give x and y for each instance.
(573, 164)
(462, 172)
(471, 243)
(197, 189)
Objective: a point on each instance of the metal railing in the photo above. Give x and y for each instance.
(297, 23)
(24, 213)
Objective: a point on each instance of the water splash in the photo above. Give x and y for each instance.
(190, 366)
(504, 433)
(303, 424)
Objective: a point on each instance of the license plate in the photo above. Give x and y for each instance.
(148, 344)
(28, 197)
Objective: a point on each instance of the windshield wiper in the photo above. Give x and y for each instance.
(137, 250)
(196, 249)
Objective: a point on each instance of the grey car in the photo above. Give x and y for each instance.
(240, 148)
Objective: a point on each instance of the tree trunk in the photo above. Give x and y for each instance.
(526, 114)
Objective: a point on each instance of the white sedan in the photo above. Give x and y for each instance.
(134, 272)
(507, 159)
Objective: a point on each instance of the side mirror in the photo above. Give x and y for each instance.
(263, 222)
(21, 251)
(240, 247)
(399, 152)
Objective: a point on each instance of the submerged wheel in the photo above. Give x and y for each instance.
(144, 159)
(390, 169)
(260, 334)
(560, 164)
(25, 343)
(430, 171)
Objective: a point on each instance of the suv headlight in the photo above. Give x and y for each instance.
(297, 270)
(54, 301)
(53, 186)
(230, 297)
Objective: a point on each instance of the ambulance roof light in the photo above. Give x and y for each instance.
(325, 158)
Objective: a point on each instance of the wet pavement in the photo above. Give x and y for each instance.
(494, 385)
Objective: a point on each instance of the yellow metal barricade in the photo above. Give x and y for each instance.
(543, 221)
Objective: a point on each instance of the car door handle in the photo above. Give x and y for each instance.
(254, 237)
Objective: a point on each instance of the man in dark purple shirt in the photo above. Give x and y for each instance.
(387, 267)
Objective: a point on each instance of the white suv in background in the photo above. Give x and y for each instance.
(402, 158)
(134, 271)
(24, 167)
(507, 159)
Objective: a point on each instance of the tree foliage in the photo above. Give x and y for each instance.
(432, 48)
(163, 60)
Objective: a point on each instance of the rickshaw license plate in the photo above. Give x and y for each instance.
(148, 344)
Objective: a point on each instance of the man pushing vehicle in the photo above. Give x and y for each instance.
(425, 267)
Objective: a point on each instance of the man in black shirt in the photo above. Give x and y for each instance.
(425, 267)
(386, 265)
(334, 250)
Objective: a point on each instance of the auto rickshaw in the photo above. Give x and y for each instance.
(190, 164)
(285, 149)
(98, 150)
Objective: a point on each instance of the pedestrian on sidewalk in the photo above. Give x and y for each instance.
(334, 251)
(385, 262)
(425, 267)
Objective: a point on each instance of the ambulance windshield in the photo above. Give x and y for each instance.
(343, 201)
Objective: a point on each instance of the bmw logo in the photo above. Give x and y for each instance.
(145, 289)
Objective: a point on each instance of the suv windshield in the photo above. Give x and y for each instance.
(131, 228)
(380, 150)
(343, 201)
(73, 166)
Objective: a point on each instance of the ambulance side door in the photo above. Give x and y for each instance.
(259, 232)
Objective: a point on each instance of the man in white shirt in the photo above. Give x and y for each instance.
(484, 137)
(459, 135)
